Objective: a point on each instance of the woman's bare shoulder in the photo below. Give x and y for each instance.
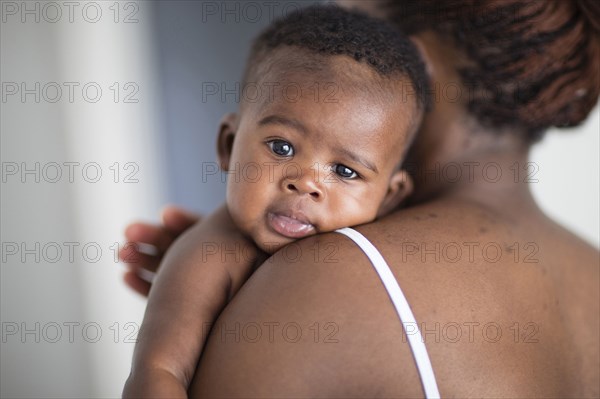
(315, 320)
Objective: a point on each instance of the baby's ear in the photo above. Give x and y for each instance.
(400, 188)
(227, 130)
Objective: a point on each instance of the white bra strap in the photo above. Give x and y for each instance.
(406, 316)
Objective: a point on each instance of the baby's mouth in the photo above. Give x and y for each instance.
(290, 225)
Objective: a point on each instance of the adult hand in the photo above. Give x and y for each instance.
(146, 245)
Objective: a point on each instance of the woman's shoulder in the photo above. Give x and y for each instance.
(313, 320)
(316, 320)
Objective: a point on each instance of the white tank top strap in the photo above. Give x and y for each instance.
(406, 316)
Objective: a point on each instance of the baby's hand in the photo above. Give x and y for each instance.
(159, 237)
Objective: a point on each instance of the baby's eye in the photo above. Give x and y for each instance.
(281, 147)
(345, 171)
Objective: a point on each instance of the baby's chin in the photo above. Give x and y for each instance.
(270, 244)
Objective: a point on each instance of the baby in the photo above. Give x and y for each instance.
(331, 101)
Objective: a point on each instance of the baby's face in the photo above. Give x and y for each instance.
(306, 163)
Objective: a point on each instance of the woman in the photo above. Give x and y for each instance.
(507, 301)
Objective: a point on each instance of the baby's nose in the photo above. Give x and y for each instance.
(304, 185)
(314, 192)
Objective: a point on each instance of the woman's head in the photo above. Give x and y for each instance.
(524, 65)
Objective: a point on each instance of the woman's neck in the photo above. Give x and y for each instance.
(500, 181)
(491, 168)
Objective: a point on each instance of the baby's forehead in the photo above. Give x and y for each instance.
(302, 65)
(288, 73)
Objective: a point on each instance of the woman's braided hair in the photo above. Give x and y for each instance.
(533, 64)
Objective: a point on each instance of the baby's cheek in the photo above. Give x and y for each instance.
(351, 211)
(246, 203)
(235, 204)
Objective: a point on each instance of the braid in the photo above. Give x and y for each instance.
(535, 63)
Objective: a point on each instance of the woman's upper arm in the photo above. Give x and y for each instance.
(313, 320)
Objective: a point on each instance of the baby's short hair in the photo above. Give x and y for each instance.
(330, 30)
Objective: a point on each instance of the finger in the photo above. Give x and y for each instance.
(149, 234)
(177, 220)
(136, 260)
(136, 283)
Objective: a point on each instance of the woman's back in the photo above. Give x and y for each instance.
(507, 303)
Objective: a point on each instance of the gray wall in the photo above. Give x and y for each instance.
(65, 315)
(32, 289)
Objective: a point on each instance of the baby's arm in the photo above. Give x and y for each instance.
(194, 283)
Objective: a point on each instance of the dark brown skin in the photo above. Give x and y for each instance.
(554, 302)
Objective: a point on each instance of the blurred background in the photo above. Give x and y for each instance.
(109, 111)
